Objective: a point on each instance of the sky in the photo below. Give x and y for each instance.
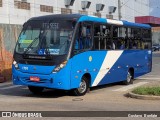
(154, 8)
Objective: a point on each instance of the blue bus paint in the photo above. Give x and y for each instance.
(130, 24)
(90, 62)
(44, 70)
(79, 67)
(103, 67)
(119, 71)
(102, 20)
(58, 80)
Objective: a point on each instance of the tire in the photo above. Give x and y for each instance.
(36, 90)
(129, 79)
(83, 88)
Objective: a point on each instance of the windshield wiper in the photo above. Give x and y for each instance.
(44, 44)
(40, 38)
(27, 49)
(47, 51)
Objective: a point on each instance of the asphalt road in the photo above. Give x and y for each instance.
(105, 98)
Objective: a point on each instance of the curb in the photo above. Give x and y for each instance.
(143, 97)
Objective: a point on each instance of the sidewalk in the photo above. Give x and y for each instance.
(155, 52)
(146, 97)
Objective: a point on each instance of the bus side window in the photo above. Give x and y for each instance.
(83, 38)
(102, 37)
(146, 34)
(78, 42)
(107, 38)
(119, 37)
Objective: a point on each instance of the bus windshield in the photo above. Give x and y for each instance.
(45, 37)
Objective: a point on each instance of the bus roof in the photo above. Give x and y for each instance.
(58, 16)
(114, 22)
(81, 18)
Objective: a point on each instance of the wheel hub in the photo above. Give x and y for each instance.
(82, 87)
(129, 77)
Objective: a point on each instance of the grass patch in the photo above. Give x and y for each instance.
(147, 91)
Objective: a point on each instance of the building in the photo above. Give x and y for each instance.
(154, 11)
(18, 11)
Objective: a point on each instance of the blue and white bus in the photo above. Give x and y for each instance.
(76, 52)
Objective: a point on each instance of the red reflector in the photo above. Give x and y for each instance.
(35, 79)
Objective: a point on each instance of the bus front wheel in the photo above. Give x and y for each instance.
(83, 87)
(129, 79)
(35, 90)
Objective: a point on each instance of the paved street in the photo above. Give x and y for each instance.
(104, 98)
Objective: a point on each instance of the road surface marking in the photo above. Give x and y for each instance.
(7, 83)
(145, 78)
(10, 87)
(130, 86)
(25, 88)
(156, 64)
(149, 75)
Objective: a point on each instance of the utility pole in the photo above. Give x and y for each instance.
(119, 10)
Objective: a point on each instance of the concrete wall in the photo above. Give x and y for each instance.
(8, 37)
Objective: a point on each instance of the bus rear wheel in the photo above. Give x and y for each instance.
(36, 90)
(83, 88)
(129, 79)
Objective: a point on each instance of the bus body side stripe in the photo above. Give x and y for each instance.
(109, 60)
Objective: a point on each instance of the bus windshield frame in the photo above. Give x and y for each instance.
(45, 37)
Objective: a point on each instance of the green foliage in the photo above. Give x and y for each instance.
(147, 91)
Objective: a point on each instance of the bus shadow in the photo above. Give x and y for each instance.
(101, 87)
(24, 92)
(51, 93)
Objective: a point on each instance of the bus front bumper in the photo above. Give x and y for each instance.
(53, 80)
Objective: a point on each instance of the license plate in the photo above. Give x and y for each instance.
(35, 79)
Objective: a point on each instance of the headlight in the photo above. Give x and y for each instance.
(59, 67)
(15, 64)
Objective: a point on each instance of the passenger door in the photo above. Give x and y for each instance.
(80, 61)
